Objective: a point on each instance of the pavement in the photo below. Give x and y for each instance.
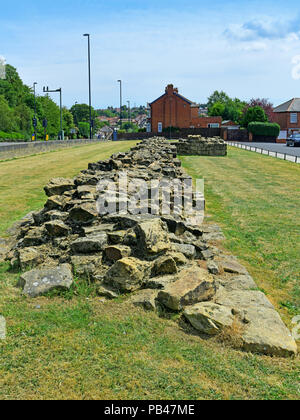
(275, 147)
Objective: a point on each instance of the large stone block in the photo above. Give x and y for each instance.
(194, 285)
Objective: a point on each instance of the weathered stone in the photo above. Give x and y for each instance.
(164, 265)
(39, 281)
(117, 237)
(98, 228)
(85, 265)
(86, 191)
(264, 330)
(145, 298)
(243, 282)
(127, 274)
(4, 249)
(179, 258)
(89, 244)
(152, 236)
(188, 250)
(83, 213)
(117, 252)
(57, 228)
(35, 237)
(58, 186)
(213, 268)
(209, 318)
(56, 202)
(159, 282)
(107, 291)
(2, 328)
(194, 285)
(29, 257)
(230, 265)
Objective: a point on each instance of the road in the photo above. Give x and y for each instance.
(275, 147)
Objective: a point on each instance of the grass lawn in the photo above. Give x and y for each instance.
(74, 346)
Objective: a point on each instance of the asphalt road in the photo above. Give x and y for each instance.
(275, 147)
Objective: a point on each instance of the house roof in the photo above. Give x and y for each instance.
(176, 94)
(290, 106)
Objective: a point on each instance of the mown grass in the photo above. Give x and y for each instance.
(256, 200)
(77, 346)
(22, 179)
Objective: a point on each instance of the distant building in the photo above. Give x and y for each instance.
(230, 125)
(287, 115)
(173, 109)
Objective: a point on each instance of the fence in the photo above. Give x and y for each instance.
(25, 149)
(278, 155)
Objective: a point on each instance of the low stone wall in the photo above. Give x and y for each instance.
(25, 149)
(201, 146)
(127, 225)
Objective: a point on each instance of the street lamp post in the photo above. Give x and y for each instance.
(34, 120)
(47, 90)
(120, 81)
(129, 111)
(90, 88)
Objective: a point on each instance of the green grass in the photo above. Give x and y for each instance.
(75, 346)
(256, 200)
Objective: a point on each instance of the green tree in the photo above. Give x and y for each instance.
(84, 129)
(7, 118)
(217, 109)
(254, 114)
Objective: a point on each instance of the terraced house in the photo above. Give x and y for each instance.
(174, 110)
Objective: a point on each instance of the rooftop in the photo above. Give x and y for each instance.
(290, 106)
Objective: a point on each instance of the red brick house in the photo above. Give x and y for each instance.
(287, 116)
(173, 109)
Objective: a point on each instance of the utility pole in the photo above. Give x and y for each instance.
(129, 111)
(47, 90)
(120, 81)
(34, 119)
(90, 88)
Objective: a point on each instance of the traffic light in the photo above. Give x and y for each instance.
(45, 123)
(34, 122)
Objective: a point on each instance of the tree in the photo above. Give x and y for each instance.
(84, 129)
(68, 121)
(254, 114)
(217, 109)
(217, 96)
(265, 104)
(220, 104)
(7, 117)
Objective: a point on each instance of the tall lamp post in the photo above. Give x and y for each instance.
(47, 90)
(34, 119)
(120, 81)
(90, 89)
(129, 111)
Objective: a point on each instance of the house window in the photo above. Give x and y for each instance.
(294, 118)
(213, 125)
(159, 128)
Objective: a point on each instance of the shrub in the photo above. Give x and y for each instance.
(254, 114)
(264, 129)
(13, 136)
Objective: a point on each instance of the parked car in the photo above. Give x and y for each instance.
(293, 140)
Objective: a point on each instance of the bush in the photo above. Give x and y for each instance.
(254, 114)
(264, 129)
(12, 136)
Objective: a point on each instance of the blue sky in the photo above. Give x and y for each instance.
(249, 49)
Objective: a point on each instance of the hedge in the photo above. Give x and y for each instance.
(264, 129)
(12, 136)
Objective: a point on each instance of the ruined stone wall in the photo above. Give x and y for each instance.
(201, 146)
(164, 261)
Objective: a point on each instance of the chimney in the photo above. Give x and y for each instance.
(170, 89)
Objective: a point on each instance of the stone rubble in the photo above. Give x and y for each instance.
(201, 146)
(165, 261)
